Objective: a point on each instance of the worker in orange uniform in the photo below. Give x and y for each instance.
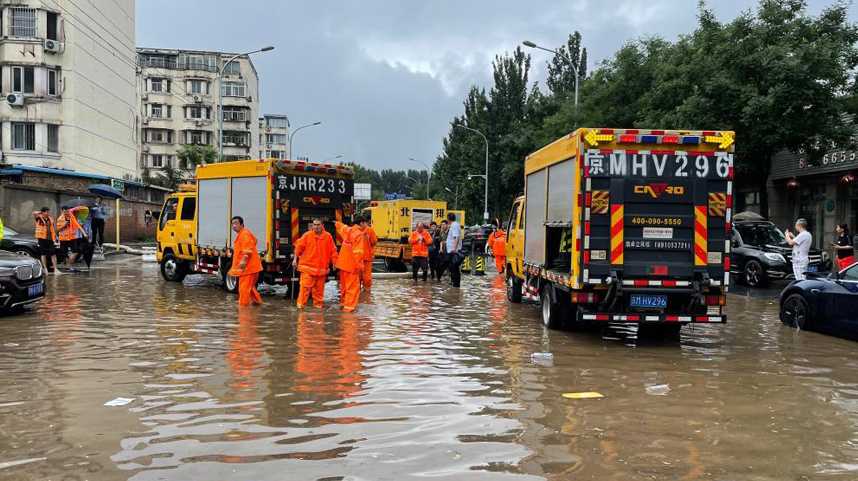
(350, 263)
(497, 245)
(46, 237)
(70, 231)
(369, 255)
(246, 264)
(420, 241)
(315, 253)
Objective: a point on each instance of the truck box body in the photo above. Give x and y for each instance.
(640, 218)
(277, 200)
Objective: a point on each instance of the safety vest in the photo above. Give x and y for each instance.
(45, 229)
(315, 253)
(68, 227)
(418, 249)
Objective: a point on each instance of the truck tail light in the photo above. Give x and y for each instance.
(716, 300)
(658, 270)
(585, 297)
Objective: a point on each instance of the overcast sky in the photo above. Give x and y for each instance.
(386, 77)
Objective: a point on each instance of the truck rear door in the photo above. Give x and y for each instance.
(656, 215)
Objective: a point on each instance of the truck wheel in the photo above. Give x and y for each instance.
(551, 312)
(173, 270)
(230, 283)
(513, 287)
(755, 275)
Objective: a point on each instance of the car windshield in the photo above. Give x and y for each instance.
(761, 235)
(7, 231)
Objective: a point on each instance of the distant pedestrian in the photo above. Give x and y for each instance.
(453, 247)
(433, 250)
(440, 241)
(843, 247)
(70, 232)
(800, 243)
(420, 241)
(497, 246)
(98, 212)
(246, 264)
(46, 236)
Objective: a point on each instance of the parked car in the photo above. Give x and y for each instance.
(826, 304)
(22, 244)
(22, 281)
(760, 254)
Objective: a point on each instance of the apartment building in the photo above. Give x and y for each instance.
(68, 84)
(179, 104)
(274, 137)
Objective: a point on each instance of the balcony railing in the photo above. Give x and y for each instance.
(175, 64)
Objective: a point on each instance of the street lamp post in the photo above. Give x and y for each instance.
(528, 43)
(220, 95)
(292, 135)
(486, 176)
(340, 156)
(429, 173)
(456, 194)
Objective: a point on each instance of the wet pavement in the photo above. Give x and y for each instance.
(423, 382)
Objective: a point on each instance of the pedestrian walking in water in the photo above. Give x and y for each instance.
(46, 237)
(315, 254)
(454, 250)
(246, 264)
(350, 263)
(69, 231)
(497, 246)
(420, 241)
(369, 255)
(98, 212)
(843, 247)
(800, 243)
(440, 241)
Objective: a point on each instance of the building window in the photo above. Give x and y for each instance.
(23, 136)
(53, 138)
(156, 160)
(22, 80)
(23, 22)
(233, 89)
(232, 68)
(276, 139)
(198, 87)
(234, 114)
(52, 82)
(53, 23)
(277, 123)
(196, 137)
(156, 85)
(238, 139)
(196, 112)
(277, 154)
(156, 111)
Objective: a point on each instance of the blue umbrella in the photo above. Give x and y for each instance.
(106, 191)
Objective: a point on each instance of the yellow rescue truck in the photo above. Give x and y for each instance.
(394, 220)
(625, 226)
(278, 200)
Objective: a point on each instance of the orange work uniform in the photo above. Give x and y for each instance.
(350, 263)
(45, 229)
(244, 246)
(68, 226)
(316, 253)
(497, 243)
(368, 257)
(420, 249)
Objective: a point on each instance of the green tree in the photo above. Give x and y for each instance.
(190, 156)
(561, 75)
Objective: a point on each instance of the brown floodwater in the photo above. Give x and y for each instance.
(422, 382)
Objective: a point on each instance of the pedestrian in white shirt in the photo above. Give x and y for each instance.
(800, 243)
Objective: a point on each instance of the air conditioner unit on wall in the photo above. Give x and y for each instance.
(15, 100)
(197, 99)
(53, 46)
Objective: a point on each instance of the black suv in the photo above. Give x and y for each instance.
(22, 281)
(760, 253)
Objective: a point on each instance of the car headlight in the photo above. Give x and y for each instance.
(37, 270)
(775, 257)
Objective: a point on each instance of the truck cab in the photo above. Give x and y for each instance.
(515, 249)
(176, 234)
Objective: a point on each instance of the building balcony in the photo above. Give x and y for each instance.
(173, 63)
(198, 124)
(237, 101)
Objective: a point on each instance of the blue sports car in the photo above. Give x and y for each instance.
(827, 304)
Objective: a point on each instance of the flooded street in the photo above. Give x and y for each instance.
(422, 382)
